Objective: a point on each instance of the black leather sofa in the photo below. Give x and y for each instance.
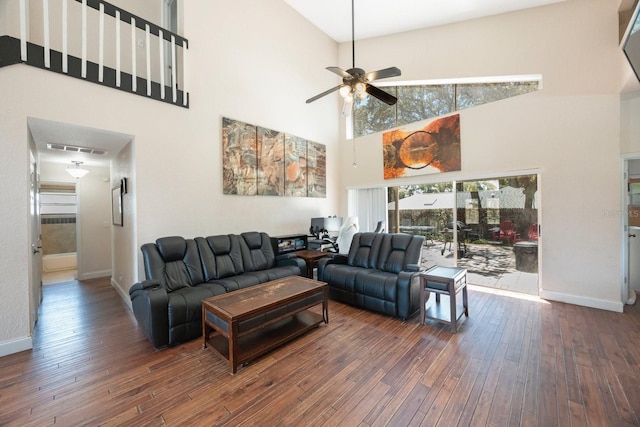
(380, 273)
(180, 273)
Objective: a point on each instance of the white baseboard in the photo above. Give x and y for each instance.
(94, 275)
(15, 346)
(124, 294)
(584, 301)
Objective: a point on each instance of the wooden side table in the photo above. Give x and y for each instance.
(446, 281)
(311, 259)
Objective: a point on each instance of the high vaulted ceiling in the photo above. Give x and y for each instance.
(382, 17)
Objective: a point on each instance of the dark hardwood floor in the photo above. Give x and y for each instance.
(513, 362)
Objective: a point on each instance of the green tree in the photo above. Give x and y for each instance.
(417, 103)
(471, 95)
(371, 115)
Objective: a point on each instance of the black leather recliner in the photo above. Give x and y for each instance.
(380, 273)
(180, 273)
(236, 262)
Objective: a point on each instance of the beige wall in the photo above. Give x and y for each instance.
(10, 18)
(94, 215)
(629, 123)
(252, 60)
(15, 252)
(569, 130)
(125, 248)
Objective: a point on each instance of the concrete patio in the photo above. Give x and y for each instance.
(490, 265)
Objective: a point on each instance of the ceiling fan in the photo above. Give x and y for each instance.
(356, 80)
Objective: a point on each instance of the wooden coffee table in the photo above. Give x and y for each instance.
(244, 324)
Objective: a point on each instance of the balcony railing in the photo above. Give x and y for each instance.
(98, 42)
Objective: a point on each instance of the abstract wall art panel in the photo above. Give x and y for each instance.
(316, 169)
(295, 166)
(240, 158)
(270, 162)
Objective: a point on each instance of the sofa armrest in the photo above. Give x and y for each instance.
(150, 304)
(408, 293)
(331, 259)
(414, 267)
(292, 259)
(335, 259)
(147, 284)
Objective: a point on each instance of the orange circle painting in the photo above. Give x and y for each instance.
(418, 149)
(432, 149)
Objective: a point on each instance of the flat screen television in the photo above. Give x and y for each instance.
(631, 46)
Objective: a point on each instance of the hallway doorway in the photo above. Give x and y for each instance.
(82, 205)
(58, 227)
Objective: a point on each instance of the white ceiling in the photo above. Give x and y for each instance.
(47, 131)
(382, 17)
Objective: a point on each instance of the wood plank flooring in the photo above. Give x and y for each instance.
(513, 362)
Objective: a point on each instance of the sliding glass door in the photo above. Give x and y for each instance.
(490, 227)
(500, 232)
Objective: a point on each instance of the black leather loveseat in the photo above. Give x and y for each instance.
(180, 273)
(380, 273)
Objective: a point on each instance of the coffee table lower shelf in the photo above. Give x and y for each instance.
(260, 341)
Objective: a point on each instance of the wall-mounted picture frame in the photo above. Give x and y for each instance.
(116, 206)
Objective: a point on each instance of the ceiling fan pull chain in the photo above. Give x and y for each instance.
(355, 163)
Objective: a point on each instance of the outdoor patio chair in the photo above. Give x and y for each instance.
(507, 232)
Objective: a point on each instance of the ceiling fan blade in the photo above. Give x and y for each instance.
(383, 96)
(326, 92)
(339, 71)
(383, 74)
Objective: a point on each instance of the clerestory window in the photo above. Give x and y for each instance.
(421, 102)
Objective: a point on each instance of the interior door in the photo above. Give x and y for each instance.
(633, 233)
(36, 242)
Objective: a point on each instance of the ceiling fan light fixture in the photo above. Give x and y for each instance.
(345, 91)
(77, 172)
(356, 80)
